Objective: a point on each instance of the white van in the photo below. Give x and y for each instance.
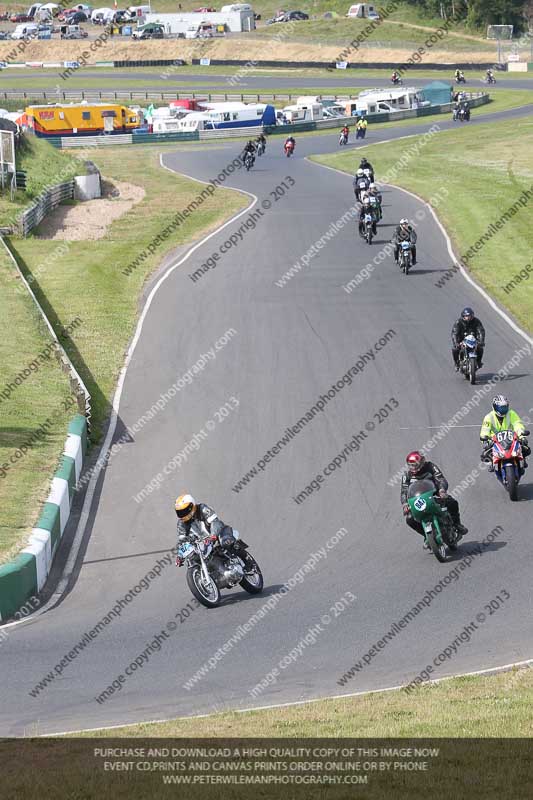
(236, 7)
(28, 30)
(138, 11)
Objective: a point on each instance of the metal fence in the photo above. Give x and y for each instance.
(47, 200)
(111, 94)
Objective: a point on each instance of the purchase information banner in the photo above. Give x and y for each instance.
(268, 768)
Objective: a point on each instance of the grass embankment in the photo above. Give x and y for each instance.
(496, 705)
(82, 279)
(484, 170)
(103, 296)
(24, 406)
(44, 166)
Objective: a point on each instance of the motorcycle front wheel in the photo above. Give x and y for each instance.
(206, 594)
(511, 483)
(253, 583)
(438, 550)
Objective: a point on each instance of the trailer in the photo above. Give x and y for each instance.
(81, 119)
(179, 24)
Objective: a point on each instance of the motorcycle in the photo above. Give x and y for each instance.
(468, 358)
(343, 139)
(405, 257)
(249, 161)
(396, 81)
(508, 460)
(460, 79)
(289, 149)
(368, 228)
(490, 80)
(369, 175)
(439, 532)
(210, 568)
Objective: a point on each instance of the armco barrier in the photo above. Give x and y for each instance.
(26, 575)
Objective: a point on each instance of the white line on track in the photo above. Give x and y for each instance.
(492, 670)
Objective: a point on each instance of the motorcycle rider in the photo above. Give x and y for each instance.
(395, 77)
(376, 198)
(490, 76)
(289, 142)
(367, 208)
(345, 133)
(189, 511)
(360, 184)
(467, 323)
(404, 233)
(367, 165)
(501, 418)
(249, 147)
(418, 469)
(459, 76)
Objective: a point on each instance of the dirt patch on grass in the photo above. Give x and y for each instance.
(247, 48)
(91, 219)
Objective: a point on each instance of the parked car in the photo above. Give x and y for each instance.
(73, 32)
(292, 15)
(20, 18)
(149, 32)
(4, 35)
(76, 17)
(204, 10)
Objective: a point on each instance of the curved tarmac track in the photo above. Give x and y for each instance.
(202, 81)
(290, 345)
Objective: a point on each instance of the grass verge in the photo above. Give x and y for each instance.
(37, 396)
(484, 169)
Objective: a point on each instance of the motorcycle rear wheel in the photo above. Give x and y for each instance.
(472, 371)
(255, 587)
(208, 596)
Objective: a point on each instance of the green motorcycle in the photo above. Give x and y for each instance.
(439, 531)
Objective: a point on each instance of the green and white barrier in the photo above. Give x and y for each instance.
(26, 575)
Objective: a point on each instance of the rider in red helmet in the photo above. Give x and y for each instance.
(418, 469)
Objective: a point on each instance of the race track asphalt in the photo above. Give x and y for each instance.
(289, 346)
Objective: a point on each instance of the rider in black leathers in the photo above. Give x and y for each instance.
(418, 469)
(404, 233)
(189, 511)
(468, 323)
(248, 148)
(367, 165)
